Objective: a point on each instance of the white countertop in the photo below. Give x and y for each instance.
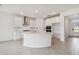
(31, 32)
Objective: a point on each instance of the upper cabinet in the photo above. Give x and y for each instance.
(52, 20)
(18, 21)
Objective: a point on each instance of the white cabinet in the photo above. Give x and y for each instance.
(52, 20)
(36, 40)
(18, 34)
(18, 24)
(18, 21)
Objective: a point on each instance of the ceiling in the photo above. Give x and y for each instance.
(37, 10)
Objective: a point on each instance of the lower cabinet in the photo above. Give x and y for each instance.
(18, 34)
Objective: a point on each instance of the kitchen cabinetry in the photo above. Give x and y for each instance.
(55, 24)
(52, 20)
(18, 21)
(18, 33)
(18, 24)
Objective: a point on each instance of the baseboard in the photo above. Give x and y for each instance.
(7, 40)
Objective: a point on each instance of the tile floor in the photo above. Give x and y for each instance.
(69, 47)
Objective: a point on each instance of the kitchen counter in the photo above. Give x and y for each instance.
(37, 39)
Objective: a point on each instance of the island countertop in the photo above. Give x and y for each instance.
(37, 39)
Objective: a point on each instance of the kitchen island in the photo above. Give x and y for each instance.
(36, 39)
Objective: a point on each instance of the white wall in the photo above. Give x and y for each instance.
(62, 31)
(71, 12)
(6, 27)
(70, 27)
(10, 26)
(66, 19)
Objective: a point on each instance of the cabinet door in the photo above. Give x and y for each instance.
(18, 34)
(18, 21)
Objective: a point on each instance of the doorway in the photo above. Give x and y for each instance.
(72, 25)
(75, 27)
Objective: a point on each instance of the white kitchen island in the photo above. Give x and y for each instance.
(36, 39)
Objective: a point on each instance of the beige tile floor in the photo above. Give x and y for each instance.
(69, 47)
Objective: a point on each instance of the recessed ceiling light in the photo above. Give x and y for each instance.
(36, 11)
